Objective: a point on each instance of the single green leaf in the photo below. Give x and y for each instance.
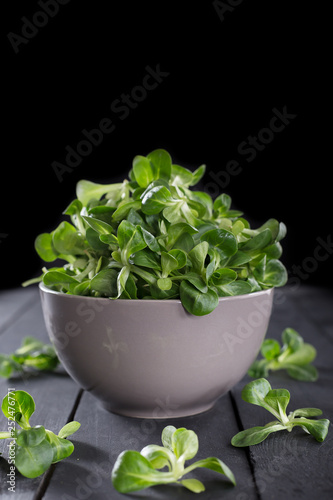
(181, 176)
(109, 239)
(149, 239)
(5, 435)
(20, 405)
(185, 242)
(158, 456)
(254, 392)
(198, 256)
(255, 435)
(196, 302)
(258, 242)
(185, 443)
(177, 230)
(180, 256)
(34, 461)
(122, 280)
(155, 200)
(98, 225)
(73, 208)
(164, 283)
(223, 276)
(124, 209)
(273, 225)
(239, 259)
(258, 369)
(303, 355)
(105, 282)
(162, 163)
(168, 264)
(6, 366)
(216, 465)
(61, 448)
(67, 240)
(133, 472)
(51, 278)
(69, 429)
(282, 231)
(31, 437)
(130, 240)
(166, 437)
(44, 247)
(198, 175)
(307, 412)
(275, 274)
(318, 428)
(278, 399)
(87, 190)
(193, 485)
(306, 373)
(238, 287)
(143, 171)
(270, 349)
(292, 339)
(222, 239)
(147, 258)
(222, 203)
(95, 242)
(260, 269)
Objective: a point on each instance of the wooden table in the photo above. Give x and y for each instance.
(286, 465)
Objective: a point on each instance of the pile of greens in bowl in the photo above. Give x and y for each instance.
(153, 237)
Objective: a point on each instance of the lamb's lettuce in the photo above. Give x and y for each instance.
(135, 470)
(295, 356)
(152, 236)
(36, 448)
(260, 393)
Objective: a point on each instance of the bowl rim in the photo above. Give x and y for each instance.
(45, 289)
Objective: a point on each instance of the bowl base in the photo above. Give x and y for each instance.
(157, 413)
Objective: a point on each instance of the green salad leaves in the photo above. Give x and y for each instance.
(135, 471)
(33, 355)
(295, 356)
(33, 449)
(259, 392)
(153, 237)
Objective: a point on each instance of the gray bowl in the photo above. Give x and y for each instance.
(150, 358)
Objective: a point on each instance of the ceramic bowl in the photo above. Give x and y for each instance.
(150, 358)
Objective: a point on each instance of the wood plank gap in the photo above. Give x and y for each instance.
(246, 449)
(43, 485)
(75, 406)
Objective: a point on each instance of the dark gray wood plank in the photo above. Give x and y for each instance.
(14, 302)
(294, 465)
(104, 435)
(317, 304)
(54, 394)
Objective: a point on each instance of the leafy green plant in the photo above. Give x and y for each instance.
(32, 355)
(153, 237)
(294, 356)
(135, 471)
(259, 392)
(34, 448)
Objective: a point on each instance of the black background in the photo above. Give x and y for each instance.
(226, 72)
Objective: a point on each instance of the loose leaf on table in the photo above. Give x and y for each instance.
(295, 356)
(36, 448)
(259, 392)
(32, 355)
(134, 471)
